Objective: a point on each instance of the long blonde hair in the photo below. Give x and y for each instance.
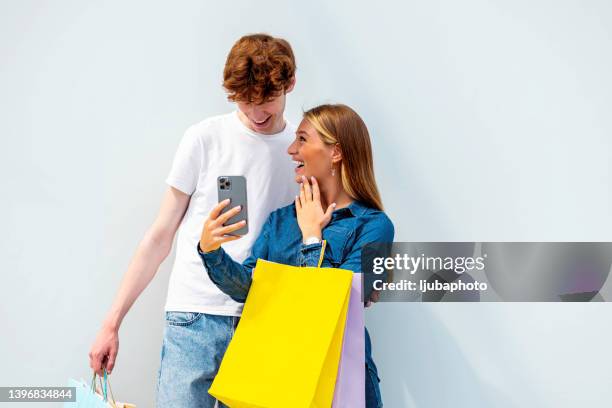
(337, 123)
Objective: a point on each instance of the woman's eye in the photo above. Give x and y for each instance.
(302, 139)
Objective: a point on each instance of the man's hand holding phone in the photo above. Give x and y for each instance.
(214, 233)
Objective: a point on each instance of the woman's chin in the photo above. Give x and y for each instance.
(298, 175)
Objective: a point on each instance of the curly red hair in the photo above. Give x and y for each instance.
(258, 67)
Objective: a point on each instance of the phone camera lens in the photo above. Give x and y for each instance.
(224, 183)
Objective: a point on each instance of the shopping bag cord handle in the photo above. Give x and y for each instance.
(323, 245)
(103, 387)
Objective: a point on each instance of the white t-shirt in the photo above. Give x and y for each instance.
(223, 146)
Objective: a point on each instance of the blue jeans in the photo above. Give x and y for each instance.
(192, 349)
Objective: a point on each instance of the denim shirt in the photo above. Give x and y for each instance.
(281, 241)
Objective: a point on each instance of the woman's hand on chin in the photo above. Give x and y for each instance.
(311, 217)
(214, 232)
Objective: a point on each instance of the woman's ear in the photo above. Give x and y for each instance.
(336, 154)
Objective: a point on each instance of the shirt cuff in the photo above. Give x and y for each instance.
(212, 258)
(310, 254)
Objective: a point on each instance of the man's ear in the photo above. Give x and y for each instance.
(336, 154)
(291, 85)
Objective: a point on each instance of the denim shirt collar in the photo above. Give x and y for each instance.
(355, 209)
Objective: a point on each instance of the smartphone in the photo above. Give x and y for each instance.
(234, 188)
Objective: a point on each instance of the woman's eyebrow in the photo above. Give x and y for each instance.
(301, 132)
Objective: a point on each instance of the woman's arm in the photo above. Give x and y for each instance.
(234, 278)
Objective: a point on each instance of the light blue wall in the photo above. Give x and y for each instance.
(490, 122)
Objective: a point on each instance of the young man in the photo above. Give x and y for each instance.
(252, 142)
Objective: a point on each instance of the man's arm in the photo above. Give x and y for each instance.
(151, 252)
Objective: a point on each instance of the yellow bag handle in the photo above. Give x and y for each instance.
(323, 245)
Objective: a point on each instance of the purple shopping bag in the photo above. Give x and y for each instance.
(350, 383)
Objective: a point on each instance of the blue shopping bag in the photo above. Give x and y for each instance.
(87, 397)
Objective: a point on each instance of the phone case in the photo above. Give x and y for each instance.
(234, 188)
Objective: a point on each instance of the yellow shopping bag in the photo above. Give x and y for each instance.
(287, 346)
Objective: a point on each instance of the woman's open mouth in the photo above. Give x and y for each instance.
(299, 164)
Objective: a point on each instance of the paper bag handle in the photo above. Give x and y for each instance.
(323, 245)
(103, 387)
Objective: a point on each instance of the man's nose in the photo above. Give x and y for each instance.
(258, 113)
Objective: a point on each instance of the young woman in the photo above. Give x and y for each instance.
(338, 202)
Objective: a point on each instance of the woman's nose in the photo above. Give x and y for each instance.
(291, 149)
